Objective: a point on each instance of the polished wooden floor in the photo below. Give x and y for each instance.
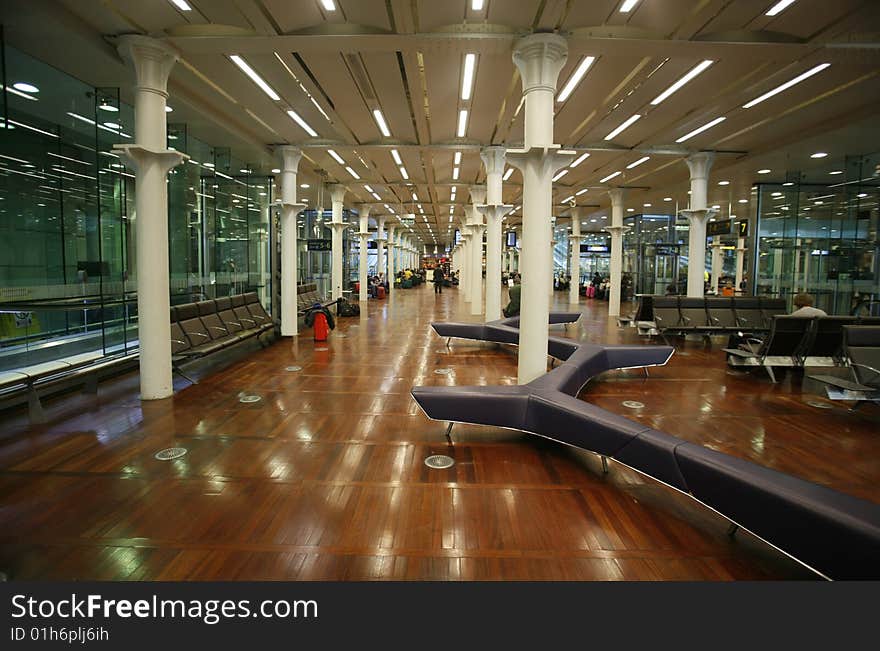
(324, 477)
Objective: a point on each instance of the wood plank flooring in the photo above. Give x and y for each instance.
(324, 477)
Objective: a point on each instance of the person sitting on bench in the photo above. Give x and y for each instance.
(804, 305)
(512, 308)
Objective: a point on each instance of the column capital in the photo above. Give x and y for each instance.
(289, 156)
(494, 211)
(700, 163)
(364, 210)
(539, 59)
(137, 156)
(616, 195)
(493, 159)
(616, 230)
(478, 194)
(337, 192)
(698, 216)
(550, 159)
(152, 60)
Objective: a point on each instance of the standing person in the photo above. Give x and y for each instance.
(438, 280)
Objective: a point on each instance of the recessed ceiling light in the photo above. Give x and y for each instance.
(455, 173)
(647, 205)
(329, 5)
(507, 174)
(630, 210)
(575, 78)
(764, 171)
(788, 183)
(245, 171)
(104, 106)
(693, 72)
(626, 123)
(403, 173)
(296, 118)
(112, 125)
(467, 77)
(638, 162)
(723, 182)
(462, 123)
(396, 156)
(819, 154)
(168, 109)
(380, 121)
(779, 7)
(836, 172)
(667, 198)
(352, 172)
(181, 4)
(304, 186)
(862, 195)
(456, 159)
(743, 201)
(477, 5)
(275, 170)
(257, 79)
(791, 82)
(580, 192)
(559, 175)
(701, 129)
(609, 177)
(336, 157)
(627, 6)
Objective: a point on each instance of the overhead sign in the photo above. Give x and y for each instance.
(594, 248)
(511, 238)
(372, 244)
(320, 245)
(742, 228)
(719, 228)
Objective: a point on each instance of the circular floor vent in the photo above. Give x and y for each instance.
(439, 461)
(443, 371)
(633, 404)
(293, 369)
(249, 399)
(169, 454)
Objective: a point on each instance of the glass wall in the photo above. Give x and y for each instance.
(67, 219)
(822, 239)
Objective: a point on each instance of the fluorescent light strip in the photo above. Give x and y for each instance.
(681, 82)
(627, 123)
(403, 173)
(396, 157)
(575, 78)
(609, 177)
(462, 123)
(456, 160)
(779, 7)
(809, 73)
(23, 162)
(580, 159)
(701, 129)
(627, 6)
(559, 175)
(336, 157)
(18, 92)
(467, 77)
(27, 126)
(376, 197)
(181, 4)
(352, 172)
(638, 162)
(296, 118)
(507, 174)
(328, 5)
(257, 79)
(455, 173)
(380, 121)
(580, 192)
(368, 188)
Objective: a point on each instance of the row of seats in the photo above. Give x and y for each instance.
(833, 533)
(682, 314)
(861, 345)
(202, 328)
(796, 341)
(307, 295)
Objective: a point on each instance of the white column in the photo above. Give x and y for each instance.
(466, 258)
(364, 236)
(290, 157)
(152, 61)
(699, 165)
(478, 198)
(494, 210)
(380, 246)
(337, 226)
(617, 229)
(575, 264)
(716, 262)
(552, 259)
(539, 59)
(391, 247)
(740, 259)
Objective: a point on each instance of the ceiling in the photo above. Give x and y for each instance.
(406, 59)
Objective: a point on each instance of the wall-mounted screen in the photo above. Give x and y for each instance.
(511, 238)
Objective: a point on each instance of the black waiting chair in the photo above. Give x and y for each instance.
(721, 314)
(826, 346)
(783, 346)
(749, 317)
(862, 351)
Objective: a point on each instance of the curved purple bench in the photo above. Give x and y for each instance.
(834, 534)
(506, 331)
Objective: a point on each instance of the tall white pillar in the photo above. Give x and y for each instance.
(740, 259)
(575, 264)
(337, 226)
(478, 198)
(392, 245)
(717, 261)
(380, 247)
(364, 236)
(290, 157)
(466, 258)
(152, 61)
(699, 165)
(539, 59)
(494, 210)
(617, 229)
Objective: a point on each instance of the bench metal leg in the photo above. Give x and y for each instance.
(35, 407)
(183, 375)
(449, 431)
(448, 339)
(604, 464)
(770, 372)
(732, 529)
(645, 369)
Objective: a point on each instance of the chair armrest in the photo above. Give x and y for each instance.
(741, 320)
(873, 370)
(200, 334)
(219, 328)
(178, 341)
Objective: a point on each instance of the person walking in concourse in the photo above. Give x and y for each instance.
(438, 280)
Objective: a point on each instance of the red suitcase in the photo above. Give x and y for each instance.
(380, 292)
(321, 327)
